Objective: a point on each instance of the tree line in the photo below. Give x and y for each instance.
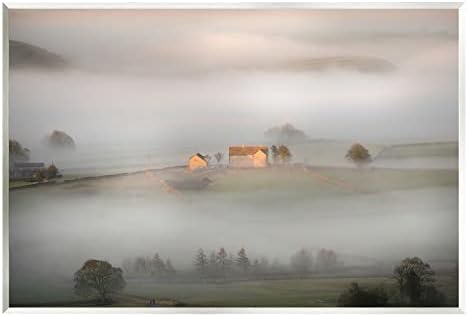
(154, 266)
(414, 280)
(221, 264)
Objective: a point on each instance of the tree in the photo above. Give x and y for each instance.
(140, 265)
(127, 265)
(218, 156)
(222, 260)
(52, 171)
(201, 262)
(355, 296)
(98, 279)
(158, 265)
(170, 268)
(260, 267)
(274, 153)
(207, 158)
(39, 175)
(358, 154)
(326, 260)
(284, 154)
(302, 261)
(415, 280)
(242, 260)
(213, 264)
(264, 265)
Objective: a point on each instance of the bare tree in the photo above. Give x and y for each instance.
(218, 156)
(207, 158)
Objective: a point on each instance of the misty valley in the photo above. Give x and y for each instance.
(233, 156)
(289, 234)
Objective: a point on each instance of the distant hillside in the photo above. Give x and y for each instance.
(418, 150)
(286, 133)
(60, 140)
(24, 55)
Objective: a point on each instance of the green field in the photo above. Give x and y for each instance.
(311, 292)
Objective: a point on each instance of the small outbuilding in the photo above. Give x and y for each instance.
(197, 161)
(25, 170)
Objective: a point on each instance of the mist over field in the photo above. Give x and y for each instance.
(140, 92)
(133, 216)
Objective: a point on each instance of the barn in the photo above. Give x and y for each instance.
(248, 156)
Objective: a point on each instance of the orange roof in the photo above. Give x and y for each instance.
(247, 150)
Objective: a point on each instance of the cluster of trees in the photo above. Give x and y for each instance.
(47, 173)
(286, 133)
(414, 279)
(60, 140)
(302, 261)
(18, 152)
(221, 264)
(415, 284)
(155, 266)
(280, 154)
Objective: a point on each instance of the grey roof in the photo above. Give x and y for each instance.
(28, 165)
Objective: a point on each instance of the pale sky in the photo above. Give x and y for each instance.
(177, 76)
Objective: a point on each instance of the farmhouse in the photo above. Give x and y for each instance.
(25, 170)
(197, 161)
(248, 156)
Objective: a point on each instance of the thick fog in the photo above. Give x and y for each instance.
(147, 89)
(127, 217)
(173, 78)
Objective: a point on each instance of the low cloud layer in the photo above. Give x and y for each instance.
(176, 76)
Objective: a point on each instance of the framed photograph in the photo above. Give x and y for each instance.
(190, 158)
